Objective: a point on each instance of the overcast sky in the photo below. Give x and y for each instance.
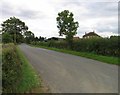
(40, 15)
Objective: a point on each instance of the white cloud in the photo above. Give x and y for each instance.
(40, 15)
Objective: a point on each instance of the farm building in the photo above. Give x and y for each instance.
(90, 35)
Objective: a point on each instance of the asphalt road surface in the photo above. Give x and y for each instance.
(65, 73)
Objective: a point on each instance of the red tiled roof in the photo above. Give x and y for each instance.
(91, 34)
(76, 38)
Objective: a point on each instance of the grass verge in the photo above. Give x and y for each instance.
(30, 78)
(106, 59)
(0, 67)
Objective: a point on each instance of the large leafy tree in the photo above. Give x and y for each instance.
(67, 26)
(41, 38)
(29, 36)
(15, 27)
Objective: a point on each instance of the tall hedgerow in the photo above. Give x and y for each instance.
(103, 46)
(11, 68)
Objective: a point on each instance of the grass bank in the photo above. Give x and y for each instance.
(30, 78)
(0, 51)
(0, 67)
(106, 59)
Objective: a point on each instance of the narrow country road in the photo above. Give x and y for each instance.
(65, 73)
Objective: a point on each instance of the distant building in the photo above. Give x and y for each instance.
(61, 39)
(76, 38)
(90, 35)
(55, 39)
(52, 38)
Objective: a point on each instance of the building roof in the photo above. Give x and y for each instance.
(55, 38)
(91, 34)
(76, 38)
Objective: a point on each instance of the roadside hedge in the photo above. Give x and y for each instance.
(11, 68)
(103, 46)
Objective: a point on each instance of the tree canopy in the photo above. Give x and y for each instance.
(29, 36)
(15, 27)
(67, 26)
(6, 37)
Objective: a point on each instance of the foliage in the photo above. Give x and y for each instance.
(6, 38)
(11, 68)
(55, 44)
(106, 59)
(102, 46)
(36, 39)
(15, 27)
(41, 38)
(67, 26)
(15, 30)
(29, 36)
(30, 78)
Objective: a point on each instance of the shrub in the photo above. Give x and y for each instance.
(11, 68)
(6, 38)
(103, 46)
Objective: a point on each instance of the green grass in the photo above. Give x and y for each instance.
(0, 52)
(30, 78)
(0, 66)
(106, 59)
